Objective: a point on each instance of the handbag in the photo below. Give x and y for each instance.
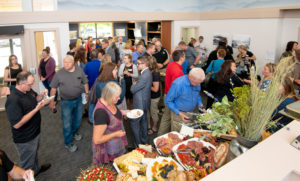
(5, 90)
(92, 99)
(208, 75)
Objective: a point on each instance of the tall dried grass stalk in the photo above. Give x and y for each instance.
(263, 104)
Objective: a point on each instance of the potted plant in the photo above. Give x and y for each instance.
(253, 108)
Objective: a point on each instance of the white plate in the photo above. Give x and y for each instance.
(160, 159)
(165, 136)
(206, 144)
(133, 113)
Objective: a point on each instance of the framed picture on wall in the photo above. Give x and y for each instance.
(218, 37)
(73, 35)
(241, 40)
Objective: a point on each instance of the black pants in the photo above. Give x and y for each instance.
(211, 88)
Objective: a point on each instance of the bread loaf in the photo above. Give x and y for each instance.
(220, 154)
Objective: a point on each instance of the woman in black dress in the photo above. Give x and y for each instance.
(129, 71)
(11, 72)
(226, 80)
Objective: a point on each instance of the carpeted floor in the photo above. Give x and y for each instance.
(66, 166)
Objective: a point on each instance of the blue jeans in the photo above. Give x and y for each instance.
(140, 129)
(46, 84)
(71, 115)
(91, 111)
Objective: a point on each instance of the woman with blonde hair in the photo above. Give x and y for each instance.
(268, 72)
(78, 43)
(155, 95)
(129, 71)
(126, 50)
(105, 59)
(109, 138)
(245, 59)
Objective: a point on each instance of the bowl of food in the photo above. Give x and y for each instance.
(159, 168)
(135, 113)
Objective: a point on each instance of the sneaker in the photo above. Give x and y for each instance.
(77, 137)
(72, 147)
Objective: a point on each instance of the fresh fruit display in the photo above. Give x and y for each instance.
(97, 174)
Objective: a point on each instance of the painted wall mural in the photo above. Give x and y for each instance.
(168, 5)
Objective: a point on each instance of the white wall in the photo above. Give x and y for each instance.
(290, 29)
(263, 33)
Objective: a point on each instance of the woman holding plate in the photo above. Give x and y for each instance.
(109, 138)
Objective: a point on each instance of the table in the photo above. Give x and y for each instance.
(272, 159)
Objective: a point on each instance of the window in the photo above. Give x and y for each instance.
(99, 30)
(10, 5)
(87, 29)
(104, 30)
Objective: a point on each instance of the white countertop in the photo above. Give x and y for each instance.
(270, 160)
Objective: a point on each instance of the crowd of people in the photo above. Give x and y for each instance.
(108, 78)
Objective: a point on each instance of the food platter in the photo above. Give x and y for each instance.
(157, 164)
(177, 147)
(225, 136)
(166, 136)
(135, 113)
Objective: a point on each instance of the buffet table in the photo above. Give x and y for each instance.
(272, 159)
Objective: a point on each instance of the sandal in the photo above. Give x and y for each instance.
(154, 131)
(150, 131)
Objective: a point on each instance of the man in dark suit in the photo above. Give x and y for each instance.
(141, 91)
(109, 50)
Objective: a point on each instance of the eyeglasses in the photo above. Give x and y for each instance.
(139, 63)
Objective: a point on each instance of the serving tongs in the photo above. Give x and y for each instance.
(183, 150)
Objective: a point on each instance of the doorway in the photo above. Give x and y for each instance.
(42, 40)
(46, 39)
(189, 32)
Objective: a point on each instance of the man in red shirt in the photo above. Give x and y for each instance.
(173, 71)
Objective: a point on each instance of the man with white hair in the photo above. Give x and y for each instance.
(161, 55)
(71, 82)
(184, 96)
(120, 44)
